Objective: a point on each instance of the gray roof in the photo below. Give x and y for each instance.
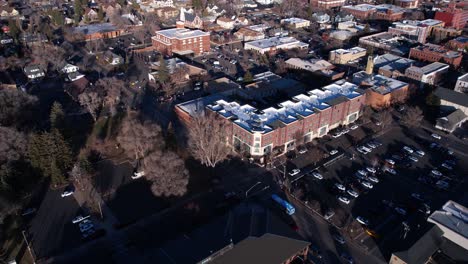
(420, 252)
(96, 28)
(451, 121)
(247, 227)
(268, 248)
(452, 96)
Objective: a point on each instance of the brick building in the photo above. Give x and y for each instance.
(181, 41)
(407, 3)
(430, 74)
(327, 4)
(381, 12)
(436, 53)
(460, 43)
(453, 17)
(343, 56)
(99, 31)
(417, 30)
(304, 117)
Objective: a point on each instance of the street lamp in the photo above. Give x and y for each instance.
(253, 186)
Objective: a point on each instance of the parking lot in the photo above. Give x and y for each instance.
(394, 207)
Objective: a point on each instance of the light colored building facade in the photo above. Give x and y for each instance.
(415, 30)
(430, 74)
(295, 22)
(343, 56)
(435, 53)
(327, 4)
(462, 84)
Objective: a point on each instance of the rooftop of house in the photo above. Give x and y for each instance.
(428, 47)
(302, 105)
(430, 68)
(453, 220)
(294, 20)
(96, 28)
(310, 65)
(351, 50)
(180, 33)
(276, 41)
(378, 83)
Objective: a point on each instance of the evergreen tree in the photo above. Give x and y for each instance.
(56, 116)
(14, 29)
(78, 11)
(248, 77)
(100, 14)
(163, 71)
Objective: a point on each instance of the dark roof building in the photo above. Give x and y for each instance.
(250, 233)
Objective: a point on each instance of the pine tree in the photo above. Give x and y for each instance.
(163, 71)
(100, 14)
(248, 77)
(14, 29)
(78, 11)
(56, 116)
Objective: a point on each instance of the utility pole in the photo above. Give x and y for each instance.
(29, 248)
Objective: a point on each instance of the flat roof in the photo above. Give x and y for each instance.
(435, 66)
(379, 83)
(452, 96)
(96, 28)
(181, 33)
(351, 50)
(310, 65)
(453, 220)
(463, 78)
(276, 41)
(294, 20)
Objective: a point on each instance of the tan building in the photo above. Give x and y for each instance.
(248, 34)
(343, 56)
(295, 22)
(167, 12)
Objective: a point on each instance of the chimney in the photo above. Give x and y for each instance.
(180, 24)
(370, 65)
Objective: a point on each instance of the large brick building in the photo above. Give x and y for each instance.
(99, 31)
(417, 30)
(436, 53)
(380, 12)
(453, 17)
(181, 41)
(327, 4)
(304, 117)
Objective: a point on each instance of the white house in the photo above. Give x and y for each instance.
(34, 71)
(69, 68)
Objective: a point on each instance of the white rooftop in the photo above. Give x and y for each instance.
(181, 33)
(351, 50)
(264, 121)
(293, 20)
(276, 41)
(452, 219)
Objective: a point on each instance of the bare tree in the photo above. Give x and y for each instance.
(180, 73)
(14, 105)
(92, 102)
(13, 144)
(138, 138)
(114, 90)
(207, 139)
(280, 66)
(412, 117)
(48, 55)
(385, 118)
(167, 172)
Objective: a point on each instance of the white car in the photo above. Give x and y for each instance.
(340, 187)
(417, 196)
(371, 170)
(390, 161)
(391, 171)
(361, 150)
(302, 151)
(317, 175)
(362, 220)
(354, 127)
(294, 172)
(79, 218)
(441, 184)
(367, 184)
(413, 158)
(420, 153)
(138, 174)
(400, 210)
(367, 149)
(436, 173)
(436, 136)
(345, 131)
(373, 179)
(337, 134)
(353, 193)
(344, 199)
(333, 152)
(67, 193)
(362, 172)
(408, 149)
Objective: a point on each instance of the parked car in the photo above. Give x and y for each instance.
(367, 184)
(338, 238)
(333, 152)
(337, 134)
(425, 209)
(362, 150)
(373, 179)
(413, 158)
(362, 220)
(340, 186)
(344, 199)
(417, 196)
(436, 136)
(408, 149)
(302, 150)
(447, 166)
(400, 210)
(28, 211)
(137, 174)
(317, 175)
(347, 258)
(362, 172)
(352, 193)
(391, 171)
(69, 190)
(390, 161)
(420, 153)
(436, 173)
(328, 215)
(294, 172)
(354, 127)
(80, 218)
(371, 170)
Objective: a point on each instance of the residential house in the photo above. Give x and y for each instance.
(327, 4)
(295, 22)
(112, 58)
(321, 67)
(34, 71)
(90, 15)
(167, 12)
(321, 18)
(8, 11)
(69, 68)
(190, 19)
(248, 34)
(344, 56)
(460, 43)
(451, 100)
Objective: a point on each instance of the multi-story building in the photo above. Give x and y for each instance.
(343, 56)
(318, 66)
(181, 41)
(415, 29)
(430, 74)
(167, 12)
(392, 66)
(453, 17)
(407, 3)
(99, 31)
(295, 22)
(271, 45)
(304, 117)
(460, 43)
(462, 84)
(327, 4)
(381, 12)
(248, 34)
(399, 45)
(435, 53)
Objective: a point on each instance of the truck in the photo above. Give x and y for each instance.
(290, 210)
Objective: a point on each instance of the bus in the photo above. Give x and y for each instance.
(289, 208)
